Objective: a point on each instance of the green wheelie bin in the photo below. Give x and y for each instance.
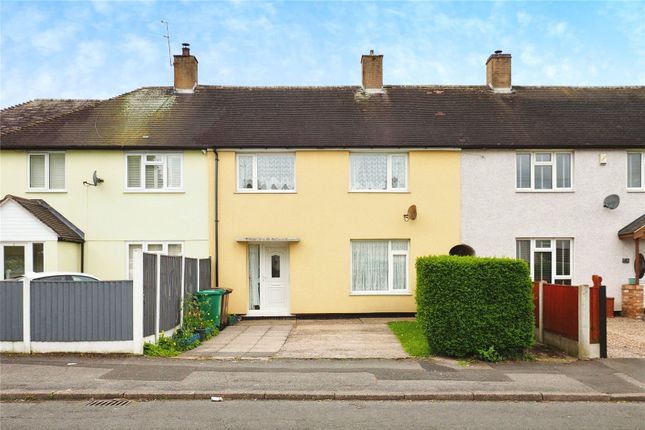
(210, 303)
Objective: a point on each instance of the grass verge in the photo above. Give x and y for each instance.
(411, 337)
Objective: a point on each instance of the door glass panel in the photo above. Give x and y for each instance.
(542, 270)
(254, 276)
(275, 266)
(14, 261)
(38, 257)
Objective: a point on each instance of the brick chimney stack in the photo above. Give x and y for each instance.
(372, 72)
(185, 70)
(498, 72)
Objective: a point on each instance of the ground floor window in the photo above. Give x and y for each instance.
(548, 259)
(20, 258)
(379, 266)
(164, 248)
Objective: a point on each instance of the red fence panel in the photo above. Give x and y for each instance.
(536, 303)
(594, 314)
(560, 310)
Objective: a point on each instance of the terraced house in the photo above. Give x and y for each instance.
(319, 199)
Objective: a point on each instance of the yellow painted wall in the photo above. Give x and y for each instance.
(324, 215)
(109, 216)
(69, 257)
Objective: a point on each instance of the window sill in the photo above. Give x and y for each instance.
(267, 192)
(517, 190)
(36, 190)
(636, 190)
(380, 191)
(380, 293)
(154, 191)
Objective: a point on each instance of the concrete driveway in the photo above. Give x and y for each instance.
(308, 338)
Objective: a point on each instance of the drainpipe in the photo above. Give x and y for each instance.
(216, 221)
(82, 257)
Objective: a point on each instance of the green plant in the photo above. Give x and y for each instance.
(489, 355)
(165, 347)
(467, 304)
(411, 337)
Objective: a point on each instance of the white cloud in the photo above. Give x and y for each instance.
(557, 28)
(523, 18)
(54, 39)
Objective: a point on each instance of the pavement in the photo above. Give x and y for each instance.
(75, 377)
(304, 338)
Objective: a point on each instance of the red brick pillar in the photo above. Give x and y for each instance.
(632, 296)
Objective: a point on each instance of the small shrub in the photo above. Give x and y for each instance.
(489, 355)
(467, 304)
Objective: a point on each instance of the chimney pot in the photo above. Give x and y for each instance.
(185, 70)
(372, 72)
(498, 72)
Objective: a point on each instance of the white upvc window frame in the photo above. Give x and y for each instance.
(389, 188)
(254, 189)
(554, 172)
(46, 188)
(642, 187)
(553, 249)
(144, 247)
(142, 171)
(390, 270)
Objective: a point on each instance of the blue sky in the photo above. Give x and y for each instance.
(99, 49)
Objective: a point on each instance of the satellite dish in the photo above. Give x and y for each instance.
(411, 214)
(95, 179)
(611, 201)
(462, 250)
(641, 272)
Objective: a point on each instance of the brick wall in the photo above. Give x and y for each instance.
(632, 296)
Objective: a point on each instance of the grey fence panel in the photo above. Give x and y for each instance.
(149, 293)
(204, 274)
(190, 275)
(10, 311)
(68, 311)
(170, 292)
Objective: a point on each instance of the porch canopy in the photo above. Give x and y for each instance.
(635, 230)
(267, 239)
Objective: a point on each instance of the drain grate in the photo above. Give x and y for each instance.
(108, 402)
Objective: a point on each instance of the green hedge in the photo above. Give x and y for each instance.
(468, 304)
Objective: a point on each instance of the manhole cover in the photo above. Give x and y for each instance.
(108, 402)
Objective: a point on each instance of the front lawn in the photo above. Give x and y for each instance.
(411, 337)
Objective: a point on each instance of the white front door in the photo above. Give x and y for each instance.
(274, 280)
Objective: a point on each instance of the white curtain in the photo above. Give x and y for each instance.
(398, 171)
(369, 265)
(173, 167)
(134, 171)
(254, 276)
(369, 171)
(276, 172)
(399, 266)
(245, 171)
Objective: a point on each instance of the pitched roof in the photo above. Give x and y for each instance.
(632, 227)
(64, 229)
(346, 117)
(36, 111)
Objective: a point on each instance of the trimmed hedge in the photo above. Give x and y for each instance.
(468, 304)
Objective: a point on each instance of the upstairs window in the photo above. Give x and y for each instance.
(378, 172)
(47, 171)
(269, 173)
(548, 259)
(154, 172)
(544, 171)
(636, 171)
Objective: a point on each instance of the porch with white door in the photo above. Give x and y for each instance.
(268, 278)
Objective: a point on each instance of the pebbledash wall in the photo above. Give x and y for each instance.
(324, 215)
(111, 217)
(494, 214)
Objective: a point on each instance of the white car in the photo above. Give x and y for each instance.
(58, 276)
